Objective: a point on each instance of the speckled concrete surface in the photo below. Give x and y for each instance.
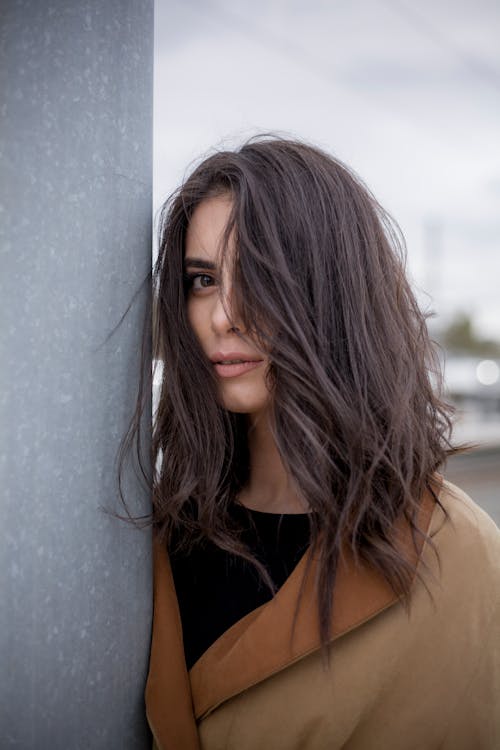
(76, 150)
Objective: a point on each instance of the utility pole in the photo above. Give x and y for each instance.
(75, 245)
(433, 257)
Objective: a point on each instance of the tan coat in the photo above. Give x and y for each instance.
(427, 681)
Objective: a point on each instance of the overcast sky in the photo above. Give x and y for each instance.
(408, 95)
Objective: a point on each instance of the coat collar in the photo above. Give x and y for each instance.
(256, 646)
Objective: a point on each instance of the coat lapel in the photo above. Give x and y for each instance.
(259, 644)
(168, 695)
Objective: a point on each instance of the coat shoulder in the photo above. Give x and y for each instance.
(468, 538)
(465, 515)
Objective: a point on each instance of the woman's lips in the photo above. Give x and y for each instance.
(231, 371)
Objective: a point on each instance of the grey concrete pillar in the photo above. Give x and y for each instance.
(76, 142)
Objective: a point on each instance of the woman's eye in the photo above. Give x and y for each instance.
(198, 281)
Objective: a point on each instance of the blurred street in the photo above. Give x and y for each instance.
(478, 474)
(477, 422)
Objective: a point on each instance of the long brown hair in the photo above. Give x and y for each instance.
(356, 409)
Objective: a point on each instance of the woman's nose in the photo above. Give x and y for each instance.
(222, 313)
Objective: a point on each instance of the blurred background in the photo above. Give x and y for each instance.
(409, 97)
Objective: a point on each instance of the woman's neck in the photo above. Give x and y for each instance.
(269, 487)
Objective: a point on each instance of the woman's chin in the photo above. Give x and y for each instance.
(241, 400)
(245, 406)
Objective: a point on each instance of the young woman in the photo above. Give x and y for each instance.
(318, 584)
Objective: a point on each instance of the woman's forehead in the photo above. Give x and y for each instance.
(206, 229)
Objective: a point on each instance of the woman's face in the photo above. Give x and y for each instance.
(242, 386)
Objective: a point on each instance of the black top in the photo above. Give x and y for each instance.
(215, 589)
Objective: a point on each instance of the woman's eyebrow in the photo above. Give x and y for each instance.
(199, 263)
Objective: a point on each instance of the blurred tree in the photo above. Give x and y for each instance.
(460, 337)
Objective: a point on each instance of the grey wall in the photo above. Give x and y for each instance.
(76, 143)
